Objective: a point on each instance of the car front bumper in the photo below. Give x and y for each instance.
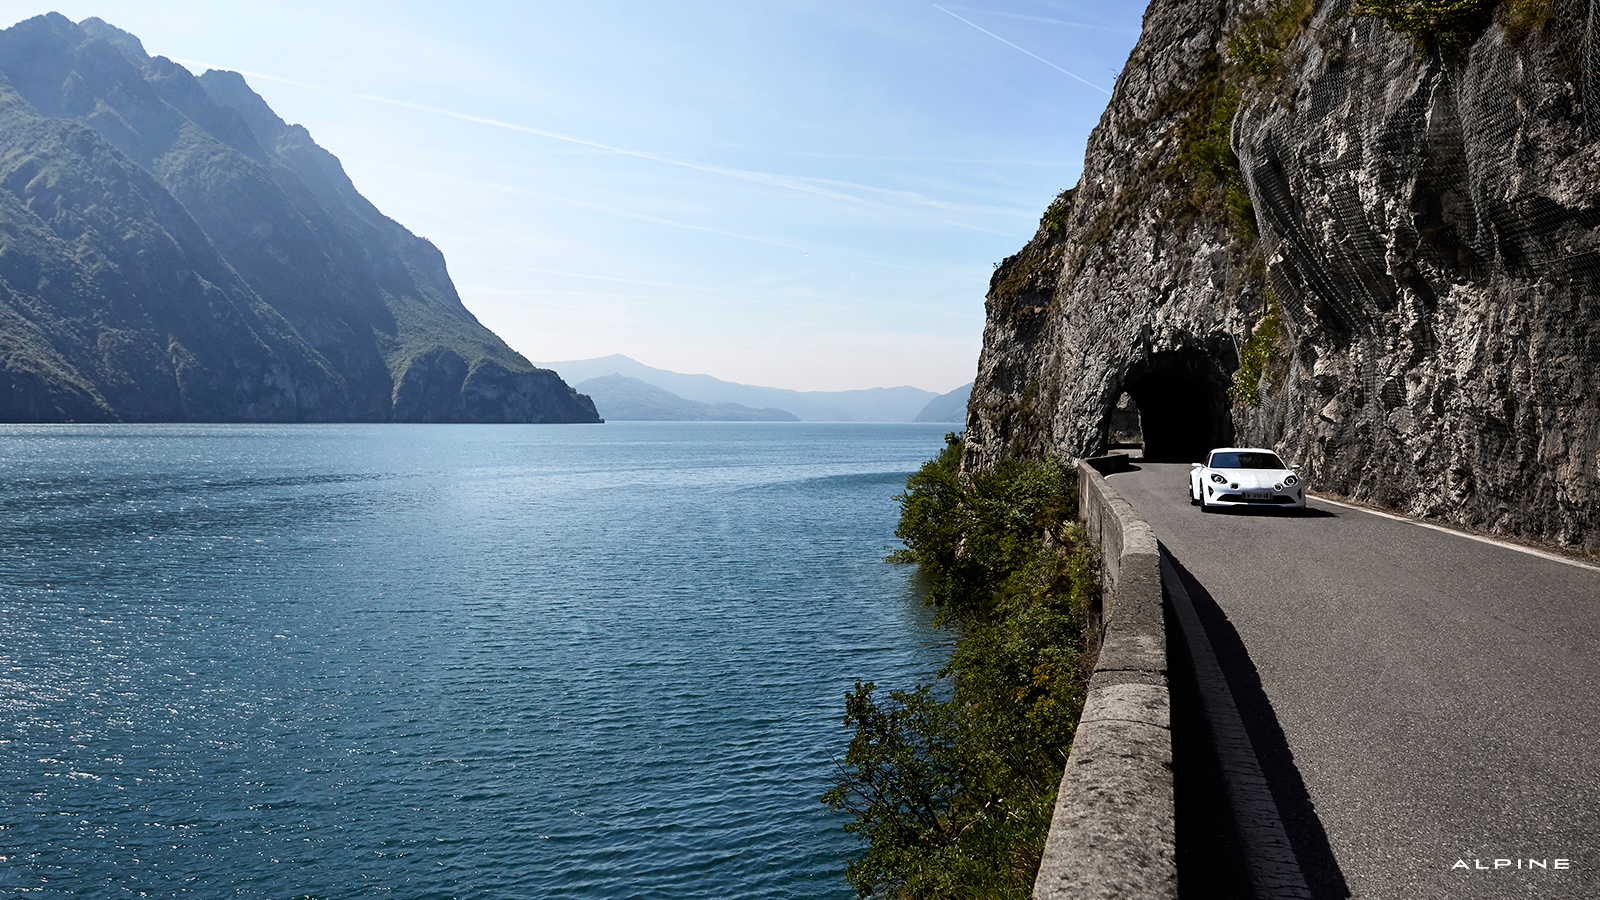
(1288, 499)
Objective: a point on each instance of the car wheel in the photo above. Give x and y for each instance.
(1206, 507)
(1194, 495)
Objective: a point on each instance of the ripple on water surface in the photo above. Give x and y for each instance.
(442, 661)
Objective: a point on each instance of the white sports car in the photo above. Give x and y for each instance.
(1245, 476)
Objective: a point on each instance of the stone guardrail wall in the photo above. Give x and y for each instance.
(1112, 835)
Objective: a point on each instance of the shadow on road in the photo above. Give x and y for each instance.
(1300, 821)
(1211, 863)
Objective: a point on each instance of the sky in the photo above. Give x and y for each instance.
(790, 193)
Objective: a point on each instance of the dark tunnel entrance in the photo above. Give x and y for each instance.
(1183, 405)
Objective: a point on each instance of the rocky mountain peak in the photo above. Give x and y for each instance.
(172, 251)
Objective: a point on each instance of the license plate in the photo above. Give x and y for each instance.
(1257, 495)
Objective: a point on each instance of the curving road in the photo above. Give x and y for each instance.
(1418, 699)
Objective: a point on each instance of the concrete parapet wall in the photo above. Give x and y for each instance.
(1112, 835)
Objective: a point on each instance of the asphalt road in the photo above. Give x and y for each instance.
(1418, 699)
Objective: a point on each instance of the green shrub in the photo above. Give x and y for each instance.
(1522, 16)
(952, 785)
(1258, 43)
(1212, 168)
(1257, 353)
(970, 534)
(1429, 24)
(1058, 215)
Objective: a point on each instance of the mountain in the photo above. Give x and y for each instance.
(620, 398)
(172, 250)
(951, 407)
(1369, 241)
(898, 404)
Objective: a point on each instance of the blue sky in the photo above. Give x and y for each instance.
(796, 194)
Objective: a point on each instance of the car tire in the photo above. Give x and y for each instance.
(1194, 498)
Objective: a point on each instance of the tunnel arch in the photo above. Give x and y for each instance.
(1183, 402)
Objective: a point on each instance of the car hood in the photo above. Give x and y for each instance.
(1253, 479)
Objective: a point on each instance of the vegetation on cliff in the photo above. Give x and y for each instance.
(1024, 284)
(1259, 354)
(1430, 23)
(1207, 156)
(1252, 66)
(952, 784)
(1453, 24)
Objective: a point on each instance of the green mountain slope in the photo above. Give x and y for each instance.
(171, 250)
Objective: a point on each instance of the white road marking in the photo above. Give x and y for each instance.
(1554, 557)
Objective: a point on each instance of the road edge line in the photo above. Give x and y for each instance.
(1495, 542)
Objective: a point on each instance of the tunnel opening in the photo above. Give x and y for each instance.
(1125, 431)
(1184, 411)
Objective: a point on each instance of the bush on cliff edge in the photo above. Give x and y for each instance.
(952, 784)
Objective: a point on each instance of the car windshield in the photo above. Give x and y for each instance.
(1248, 460)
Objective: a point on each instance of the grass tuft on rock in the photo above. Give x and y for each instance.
(1258, 354)
(1259, 42)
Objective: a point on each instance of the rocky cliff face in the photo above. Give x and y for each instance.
(172, 250)
(1298, 228)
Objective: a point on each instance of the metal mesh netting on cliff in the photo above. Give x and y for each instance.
(1591, 89)
(1473, 145)
(1443, 205)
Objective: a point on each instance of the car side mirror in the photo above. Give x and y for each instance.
(1197, 465)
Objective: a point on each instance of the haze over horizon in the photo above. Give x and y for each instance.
(781, 194)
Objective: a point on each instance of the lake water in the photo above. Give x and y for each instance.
(443, 661)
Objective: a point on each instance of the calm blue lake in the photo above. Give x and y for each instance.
(441, 661)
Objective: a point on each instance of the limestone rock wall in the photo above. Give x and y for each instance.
(1423, 224)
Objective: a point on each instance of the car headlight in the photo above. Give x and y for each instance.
(1291, 480)
(1278, 487)
(1218, 478)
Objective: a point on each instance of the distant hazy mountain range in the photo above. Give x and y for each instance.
(898, 404)
(951, 407)
(172, 250)
(620, 399)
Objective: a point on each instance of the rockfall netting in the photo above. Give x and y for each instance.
(1432, 231)
(1462, 131)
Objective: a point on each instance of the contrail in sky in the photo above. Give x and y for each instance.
(672, 223)
(1089, 25)
(1029, 52)
(762, 177)
(805, 185)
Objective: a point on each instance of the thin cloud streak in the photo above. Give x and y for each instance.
(1029, 52)
(767, 299)
(1070, 24)
(805, 185)
(980, 229)
(937, 159)
(611, 278)
(672, 223)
